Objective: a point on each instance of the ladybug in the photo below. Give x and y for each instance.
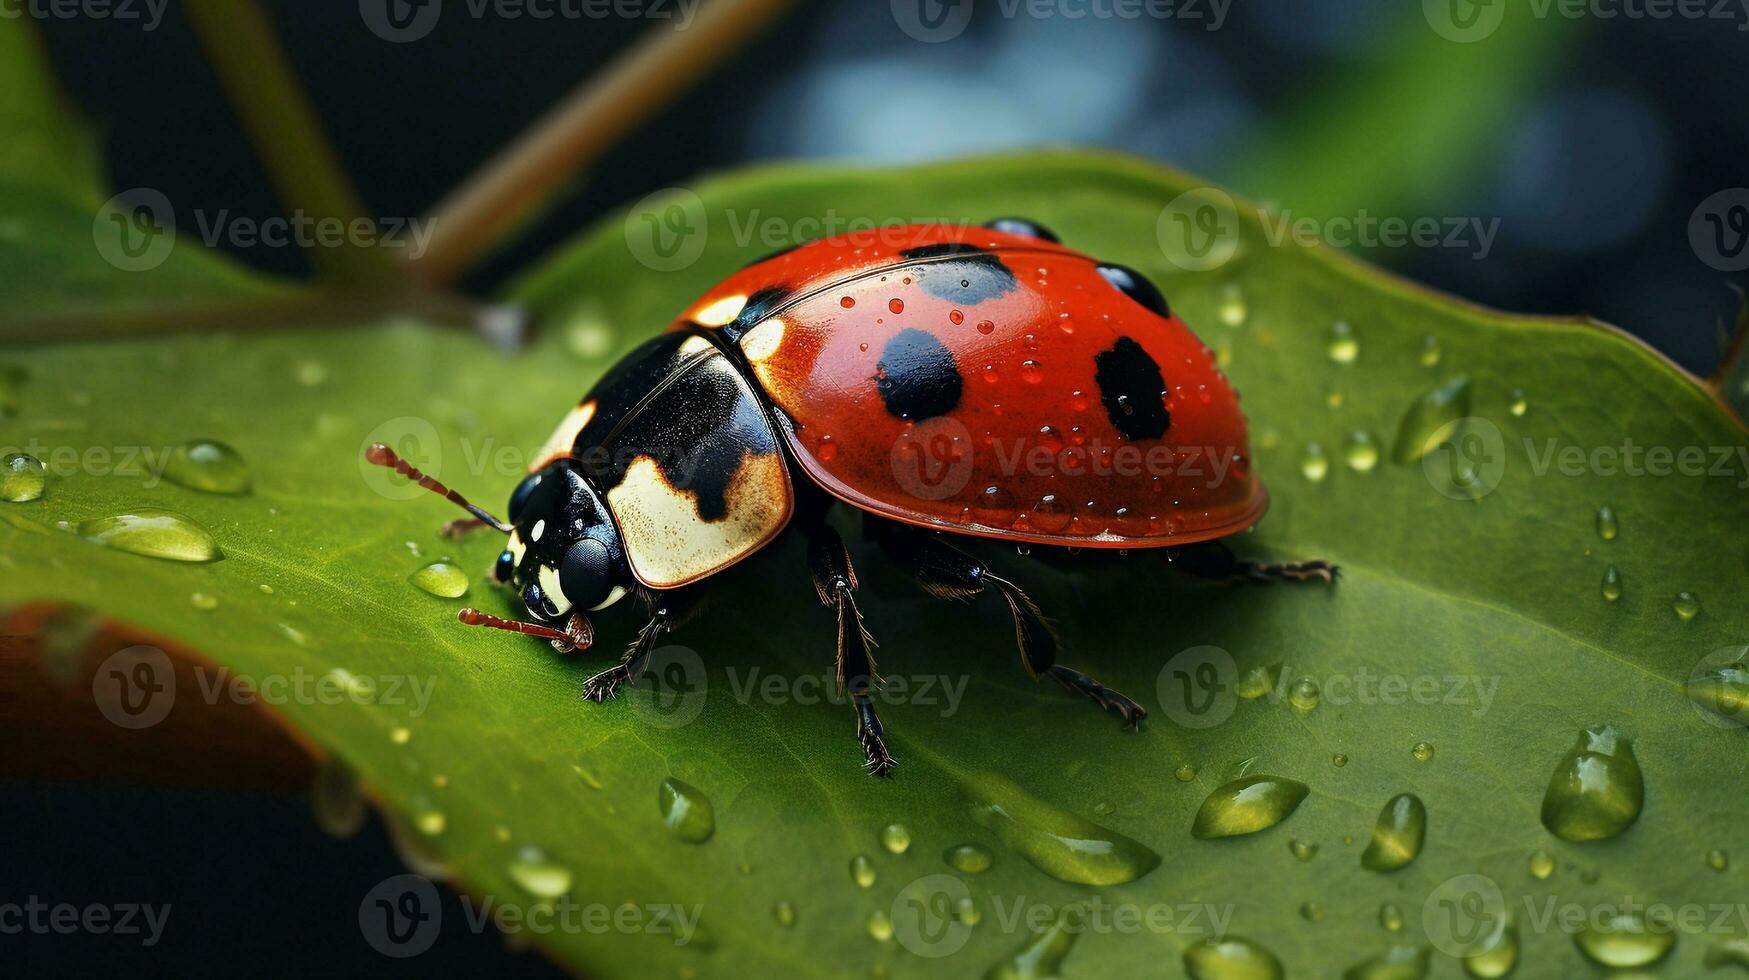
(949, 382)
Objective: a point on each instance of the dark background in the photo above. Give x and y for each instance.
(1593, 169)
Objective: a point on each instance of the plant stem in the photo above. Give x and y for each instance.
(258, 80)
(488, 207)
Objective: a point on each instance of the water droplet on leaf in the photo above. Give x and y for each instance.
(686, 811)
(1247, 805)
(1597, 789)
(155, 534)
(1397, 837)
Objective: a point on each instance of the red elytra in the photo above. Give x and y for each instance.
(980, 382)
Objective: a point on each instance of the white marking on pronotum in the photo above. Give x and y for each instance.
(549, 583)
(722, 312)
(763, 340)
(540, 528)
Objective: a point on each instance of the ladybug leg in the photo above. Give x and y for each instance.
(946, 572)
(667, 610)
(1216, 562)
(835, 581)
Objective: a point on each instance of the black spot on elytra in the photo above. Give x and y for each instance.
(1021, 226)
(759, 306)
(1136, 286)
(1132, 390)
(916, 376)
(960, 273)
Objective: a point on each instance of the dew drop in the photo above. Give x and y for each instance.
(203, 601)
(1499, 959)
(1429, 356)
(1397, 963)
(1232, 310)
(427, 819)
(686, 811)
(1624, 941)
(1185, 773)
(1518, 405)
(1341, 344)
(588, 776)
(880, 925)
(1723, 690)
(969, 858)
(896, 305)
(896, 838)
(1311, 911)
(1428, 423)
(1339, 760)
(1686, 605)
(310, 373)
(22, 478)
(966, 911)
(847, 301)
(1104, 808)
(1041, 957)
(1304, 694)
(401, 735)
(986, 327)
(1611, 587)
(956, 317)
(1361, 453)
(441, 579)
(1304, 850)
(1542, 865)
(1231, 958)
(155, 534)
(1597, 789)
(538, 874)
(1422, 752)
(208, 466)
(1391, 918)
(1247, 805)
(1256, 682)
(335, 800)
(1397, 836)
(1717, 860)
(1728, 952)
(862, 871)
(1061, 844)
(1314, 465)
(1031, 372)
(1607, 527)
(785, 913)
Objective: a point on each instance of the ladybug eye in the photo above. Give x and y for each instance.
(586, 573)
(505, 567)
(520, 496)
(1021, 226)
(1136, 286)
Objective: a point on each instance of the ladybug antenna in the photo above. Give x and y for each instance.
(579, 638)
(384, 456)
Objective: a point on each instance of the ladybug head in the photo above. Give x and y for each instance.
(564, 554)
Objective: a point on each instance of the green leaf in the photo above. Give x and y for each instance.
(1483, 618)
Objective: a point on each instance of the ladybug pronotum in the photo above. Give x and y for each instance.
(946, 381)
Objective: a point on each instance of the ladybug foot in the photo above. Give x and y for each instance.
(1306, 571)
(605, 685)
(879, 762)
(1111, 700)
